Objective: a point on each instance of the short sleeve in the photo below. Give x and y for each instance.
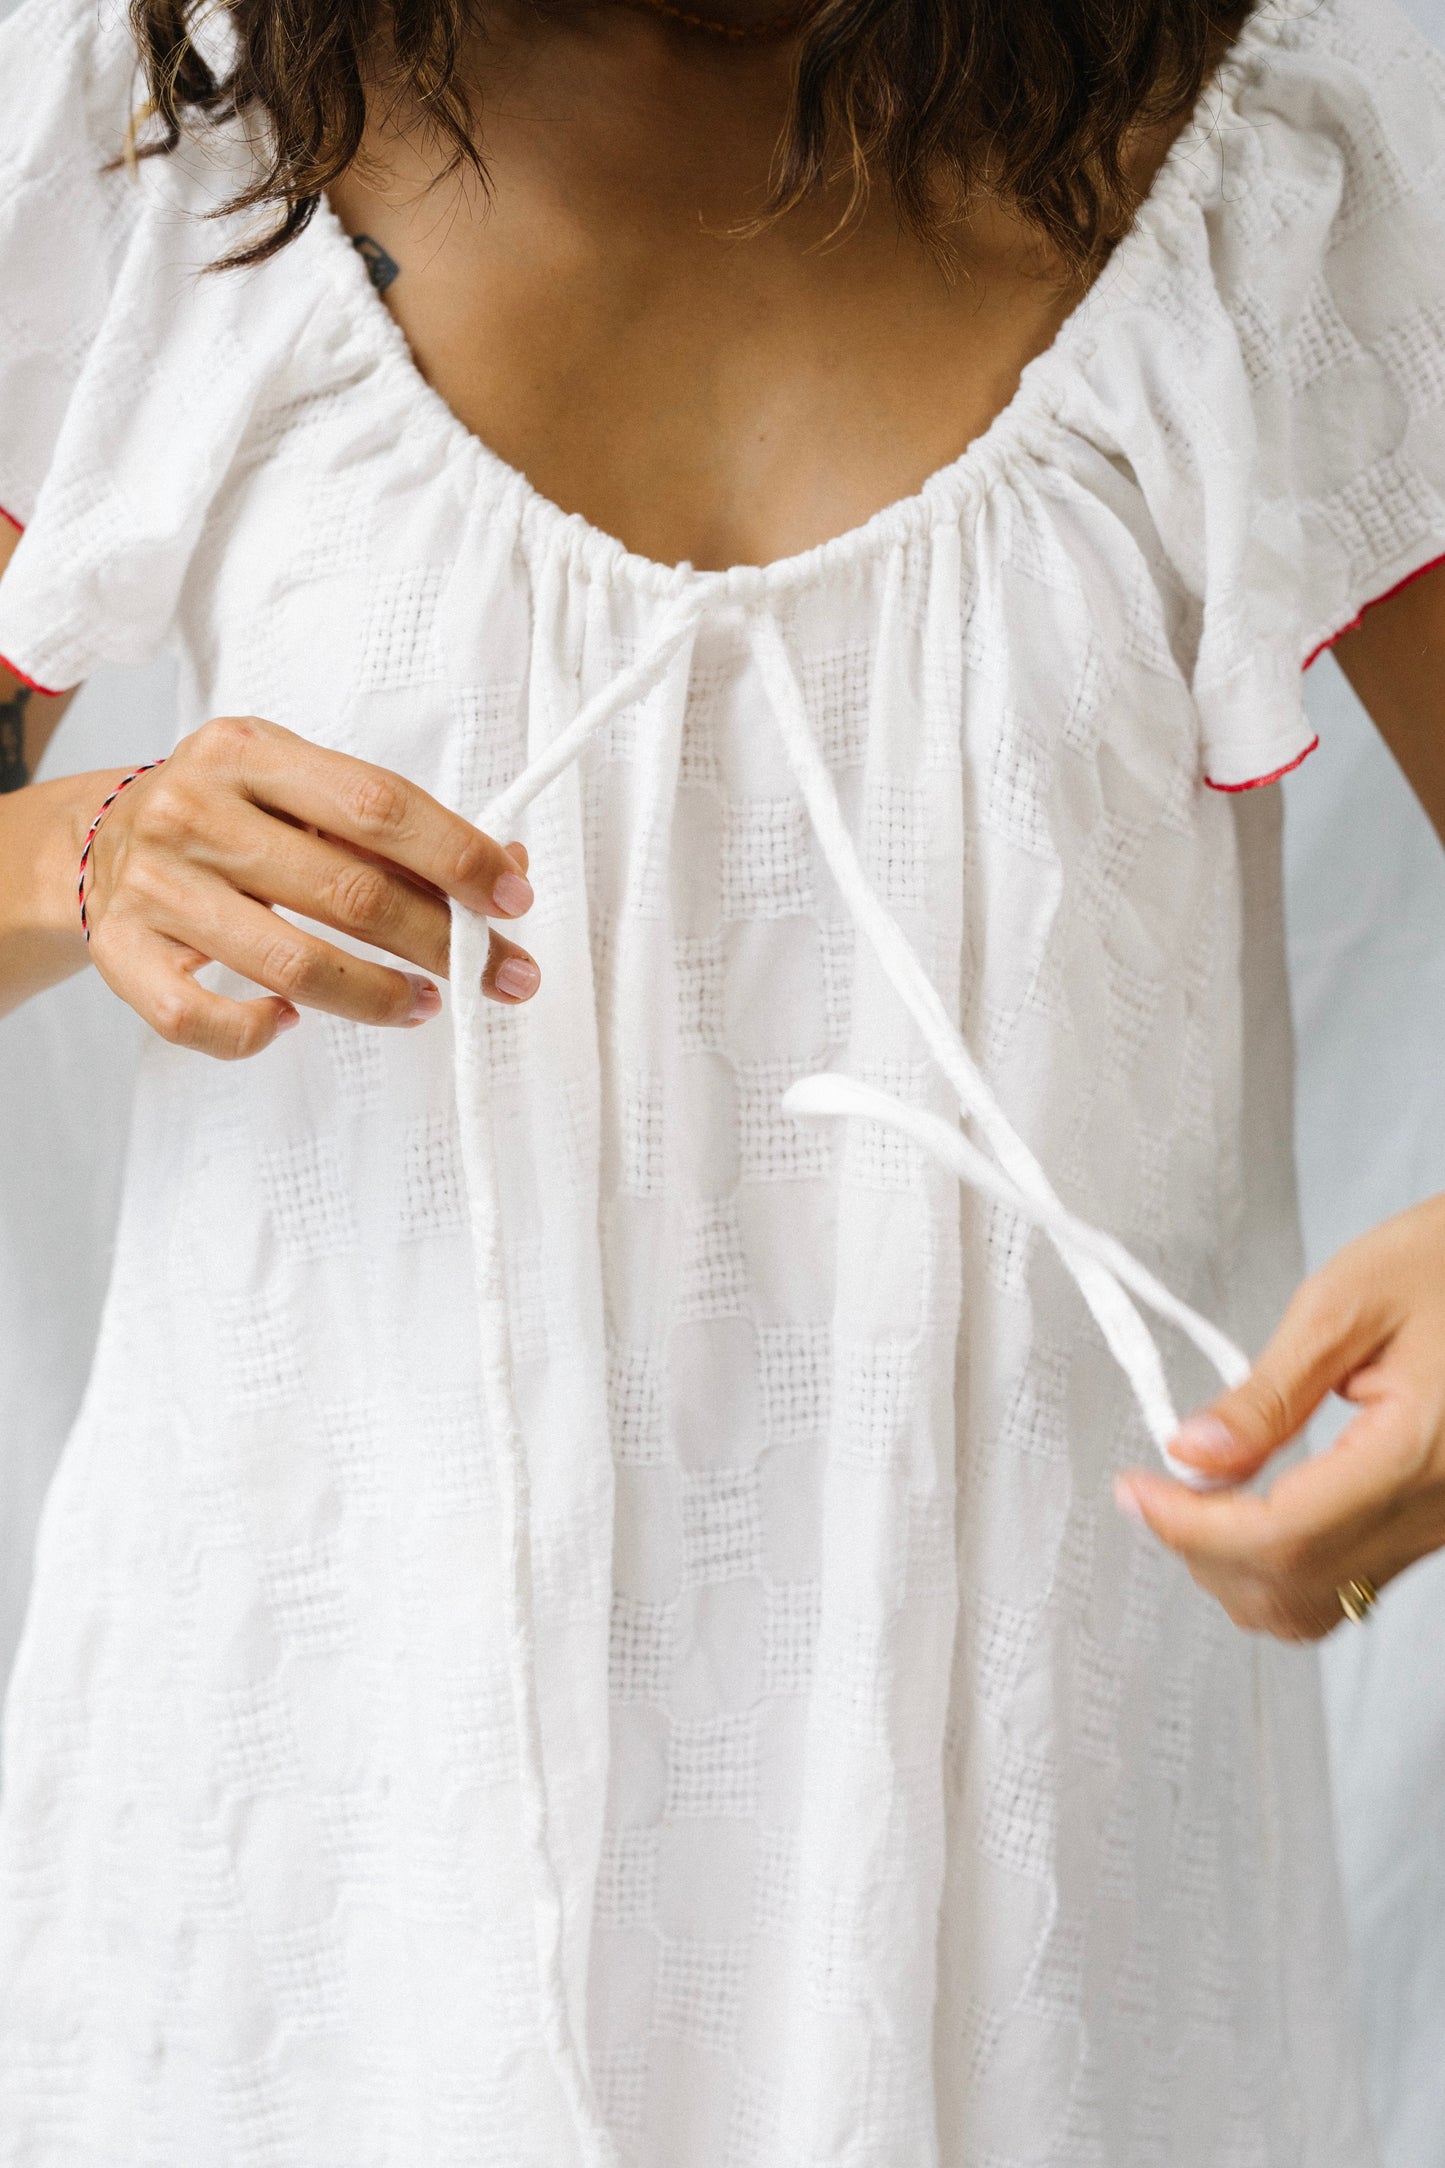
(1332, 260)
(67, 214)
(130, 371)
(1265, 357)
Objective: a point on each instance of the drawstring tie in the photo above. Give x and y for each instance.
(1108, 1277)
(1102, 1268)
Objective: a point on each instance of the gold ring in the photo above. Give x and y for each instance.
(1357, 1599)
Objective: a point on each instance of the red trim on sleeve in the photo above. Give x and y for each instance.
(47, 692)
(1257, 782)
(1373, 604)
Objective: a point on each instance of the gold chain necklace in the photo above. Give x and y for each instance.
(772, 27)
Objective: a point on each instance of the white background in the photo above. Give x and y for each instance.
(1366, 903)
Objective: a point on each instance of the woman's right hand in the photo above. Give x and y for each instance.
(243, 816)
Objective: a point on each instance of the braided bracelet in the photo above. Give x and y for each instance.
(124, 784)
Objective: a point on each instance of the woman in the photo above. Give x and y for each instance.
(582, 1619)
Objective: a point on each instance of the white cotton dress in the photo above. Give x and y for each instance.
(582, 1623)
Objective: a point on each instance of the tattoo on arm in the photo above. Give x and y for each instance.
(14, 774)
(381, 269)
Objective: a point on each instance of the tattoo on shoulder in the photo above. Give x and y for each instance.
(14, 774)
(381, 269)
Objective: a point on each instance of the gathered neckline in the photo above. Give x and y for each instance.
(1023, 427)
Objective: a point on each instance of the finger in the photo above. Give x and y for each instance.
(363, 805)
(383, 907)
(307, 972)
(1274, 1586)
(1255, 1594)
(1373, 1490)
(1334, 1324)
(1223, 1527)
(156, 977)
(1313, 1522)
(511, 975)
(363, 895)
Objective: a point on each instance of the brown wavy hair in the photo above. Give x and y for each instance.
(1033, 100)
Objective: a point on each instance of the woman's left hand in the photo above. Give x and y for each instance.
(1371, 1326)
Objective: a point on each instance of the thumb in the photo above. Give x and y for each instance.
(1330, 1328)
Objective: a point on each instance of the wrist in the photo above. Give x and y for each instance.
(65, 820)
(42, 833)
(83, 870)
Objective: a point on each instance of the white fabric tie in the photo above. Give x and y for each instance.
(1101, 1267)
(1107, 1275)
(470, 948)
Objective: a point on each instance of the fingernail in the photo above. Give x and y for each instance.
(519, 977)
(511, 895)
(1126, 1501)
(287, 1020)
(1204, 1437)
(426, 1000)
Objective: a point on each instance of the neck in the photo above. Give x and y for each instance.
(600, 104)
(601, 107)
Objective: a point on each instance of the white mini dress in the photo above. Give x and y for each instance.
(582, 1623)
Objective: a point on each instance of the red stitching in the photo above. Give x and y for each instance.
(1257, 782)
(46, 692)
(1373, 604)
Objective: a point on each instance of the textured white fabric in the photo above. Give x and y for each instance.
(1366, 879)
(900, 1804)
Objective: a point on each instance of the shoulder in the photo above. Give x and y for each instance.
(1331, 124)
(134, 377)
(68, 83)
(1258, 376)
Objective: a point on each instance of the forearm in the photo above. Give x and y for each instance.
(42, 828)
(28, 718)
(1395, 660)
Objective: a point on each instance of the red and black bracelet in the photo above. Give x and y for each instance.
(124, 784)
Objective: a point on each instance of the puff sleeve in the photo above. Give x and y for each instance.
(130, 371)
(1331, 255)
(1268, 361)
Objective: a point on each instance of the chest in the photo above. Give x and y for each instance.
(606, 320)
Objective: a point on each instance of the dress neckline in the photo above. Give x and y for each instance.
(1024, 427)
